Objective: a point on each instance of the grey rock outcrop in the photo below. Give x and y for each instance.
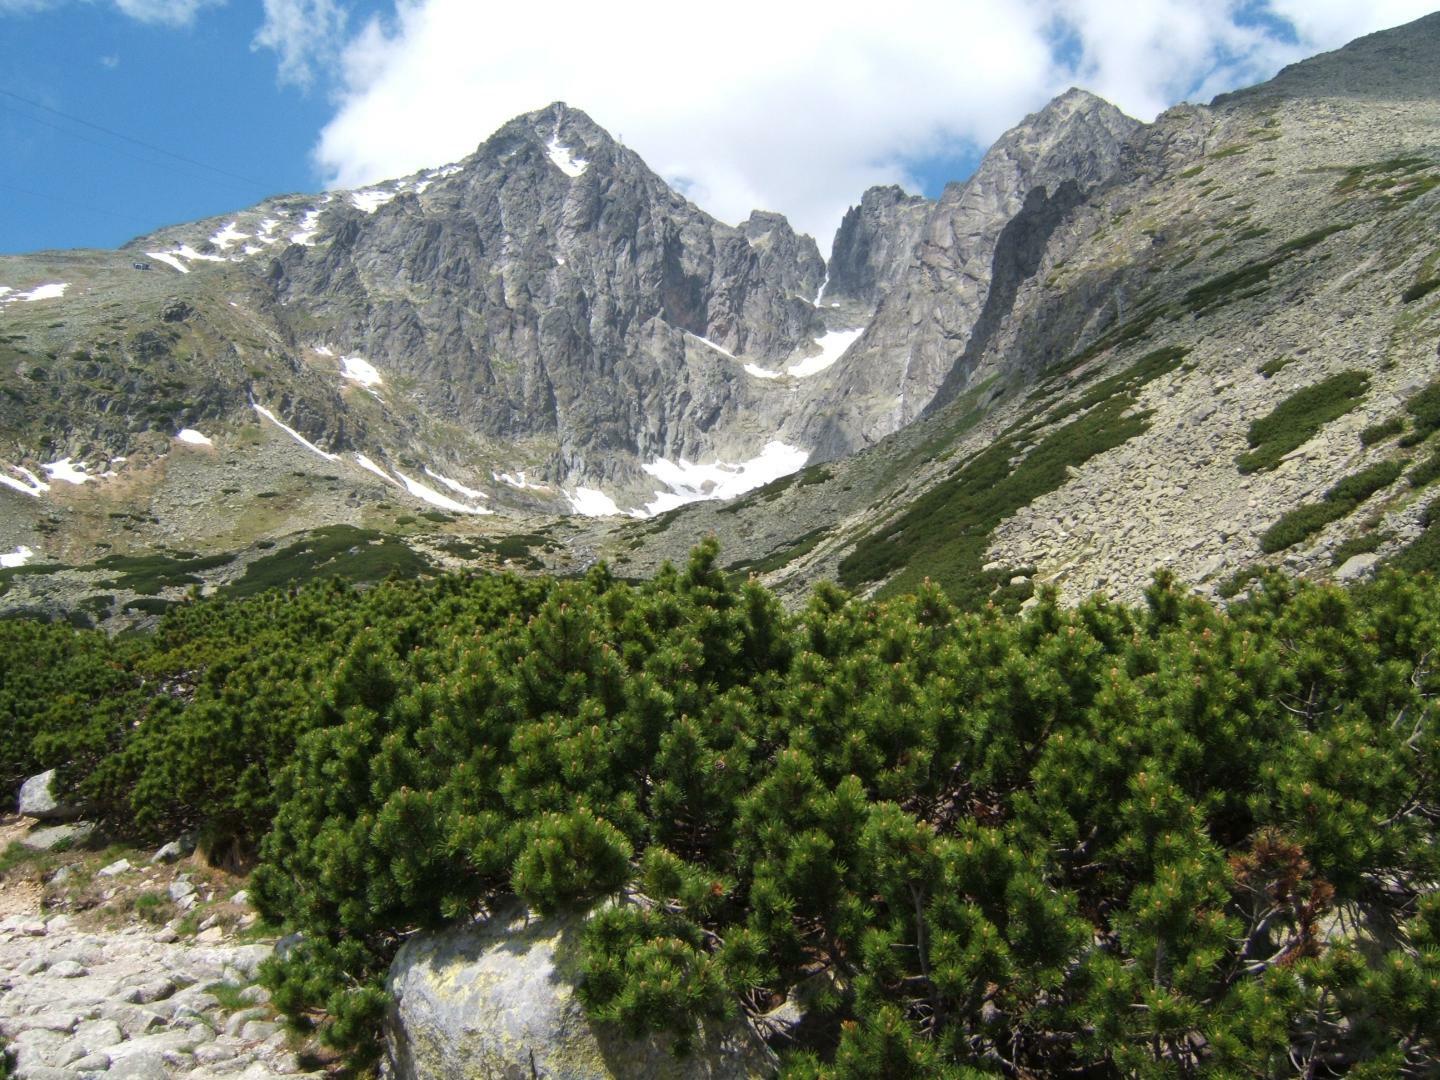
(497, 999)
(39, 799)
(874, 244)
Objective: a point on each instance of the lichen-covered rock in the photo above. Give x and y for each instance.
(498, 999)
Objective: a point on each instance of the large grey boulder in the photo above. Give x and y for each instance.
(39, 799)
(498, 999)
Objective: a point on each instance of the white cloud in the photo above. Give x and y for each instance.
(159, 12)
(304, 34)
(165, 12)
(780, 107)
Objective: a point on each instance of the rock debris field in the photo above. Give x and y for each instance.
(149, 974)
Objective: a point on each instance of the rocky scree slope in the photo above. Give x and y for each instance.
(1222, 360)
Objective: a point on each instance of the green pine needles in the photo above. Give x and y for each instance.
(1107, 841)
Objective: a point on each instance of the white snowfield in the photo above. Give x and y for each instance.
(309, 227)
(455, 485)
(28, 484)
(588, 502)
(66, 470)
(434, 498)
(19, 557)
(168, 260)
(718, 348)
(566, 162)
(268, 415)
(367, 202)
(53, 291)
(365, 463)
(193, 437)
(517, 481)
(228, 234)
(689, 482)
(762, 373)
(360, 370)
(832, 347)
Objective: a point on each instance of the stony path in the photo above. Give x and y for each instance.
(134, 1004)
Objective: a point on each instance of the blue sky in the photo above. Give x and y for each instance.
(792, 114)
(198, 91)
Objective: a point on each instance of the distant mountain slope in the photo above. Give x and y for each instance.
(1224, 359)
(1205, 343)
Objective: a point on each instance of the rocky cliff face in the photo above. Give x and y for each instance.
(1267, 263)
(917, 340)
(553, 288)
(874, 245)
(546, 327)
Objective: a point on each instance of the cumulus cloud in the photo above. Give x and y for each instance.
(304, 35)
(776, 106)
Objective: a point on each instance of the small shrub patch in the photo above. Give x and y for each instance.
(1297, 419)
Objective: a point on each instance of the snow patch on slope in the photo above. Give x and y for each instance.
(168, 260)
(65, 469)
(517, 481)
(718, 348)
(268, 415)
(359, 369)
(565, 161)
(367, 202)
(365, 463)
(455, 485)
(434, 498)
(52, 291)
(689, 482)
(832, 347)
(19, 557)
(29, 484)
(193, 437)
(589, 502)
(229, 234)
(309, 227)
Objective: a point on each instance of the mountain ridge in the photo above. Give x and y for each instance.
(548, 327)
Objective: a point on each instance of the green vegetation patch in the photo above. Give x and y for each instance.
(8, 574)
(149, 574)
(1250, 279)
(1385, 429)
(1338, 502)
(1148, 368)
(1274, 367)
(945, 534)
(1420, 290)
(783, 556)
(1297, 419)
(1424, 410)
(1426, 471)
(1103, 841)
(1359, 545)
(336, 551)
(1380, 174)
